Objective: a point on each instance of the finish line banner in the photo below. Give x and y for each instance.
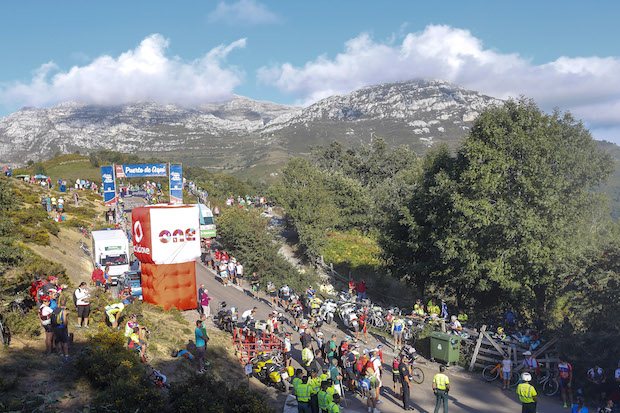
(109, 186)
(140, 170)
(176, 184)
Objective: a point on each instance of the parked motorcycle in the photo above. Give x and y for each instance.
(226, 319)
(327, 311)
(271, 373)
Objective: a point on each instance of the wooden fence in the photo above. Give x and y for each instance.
(491, 351)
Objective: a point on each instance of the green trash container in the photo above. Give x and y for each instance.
(445, 347)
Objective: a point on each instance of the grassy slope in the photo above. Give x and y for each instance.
(31, 378)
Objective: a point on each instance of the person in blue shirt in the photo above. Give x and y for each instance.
(201, 344)
(444, 310)
(510, 319)
(53, 299)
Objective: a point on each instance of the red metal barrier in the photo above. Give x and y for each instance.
(248, 344)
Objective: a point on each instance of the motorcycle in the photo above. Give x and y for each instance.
(226, 319)
(271, 373)
(327, 311)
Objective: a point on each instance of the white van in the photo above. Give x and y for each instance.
(207, 224)
(111, 248)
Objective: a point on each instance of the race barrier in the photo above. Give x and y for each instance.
(249, 344)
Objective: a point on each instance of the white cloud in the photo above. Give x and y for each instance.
(588, 86)
(242, 12)
(142, 74)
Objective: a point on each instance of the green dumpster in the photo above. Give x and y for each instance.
(445, 347)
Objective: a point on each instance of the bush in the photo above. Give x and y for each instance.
(204, 393)
(118, 375)
(28, 326)
(51, 227)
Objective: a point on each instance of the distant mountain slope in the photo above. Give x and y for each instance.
(243, 131)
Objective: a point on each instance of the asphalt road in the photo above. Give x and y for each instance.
(469, 393)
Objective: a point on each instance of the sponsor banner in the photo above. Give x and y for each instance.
(176, 184)
(109, 186)
(139, 170)
(166, 234)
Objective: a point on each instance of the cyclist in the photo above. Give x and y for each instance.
(564, 376)
(254, 282)
(397, 331)
(363, 326)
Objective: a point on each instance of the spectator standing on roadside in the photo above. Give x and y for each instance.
(273, 295)
(596, 379)
(45, 313)
(361, 290)
(506, 370)
(82, 302)
(254, 283)
(352, 286)
(564, 376)
(200, 346)
(531, 365)
(404, 373)
(97, 276)
(60, 325)
(239, 273)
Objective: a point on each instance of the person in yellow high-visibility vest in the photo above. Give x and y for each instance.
(333, 407)
(527, 394)
(314, 381)
(307, 356)
(324, 397)
(302, 392)
(299, 374)
(441, 387)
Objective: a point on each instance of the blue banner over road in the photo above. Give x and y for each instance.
(140, 170)
(176, 184)
(109, 185)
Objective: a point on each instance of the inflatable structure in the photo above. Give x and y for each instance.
(166, 240)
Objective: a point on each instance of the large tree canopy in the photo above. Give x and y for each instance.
(506, 215)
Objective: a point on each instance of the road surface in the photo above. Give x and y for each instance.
(469, 393)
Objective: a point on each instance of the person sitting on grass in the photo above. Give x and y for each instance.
(114, 311)
(138, 343)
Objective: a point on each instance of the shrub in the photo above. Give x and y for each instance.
(51, 227)
(204, 393)
(118, 375)
(28, 326)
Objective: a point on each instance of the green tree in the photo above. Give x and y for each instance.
(499, 221)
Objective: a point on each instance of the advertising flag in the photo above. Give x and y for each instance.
(176, 184)
(109, 186)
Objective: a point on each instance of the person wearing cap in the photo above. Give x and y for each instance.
(527, 394)
(82, 297)
(45, 313)
(333, 407)
(53, 294)
(531, 365)
(363, 327)
(323, 397)
(97, 276)
(441, 387)
(335, 376)
(404, 371)
(61, 331)
(314, 381)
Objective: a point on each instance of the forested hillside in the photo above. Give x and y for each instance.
(510, 220)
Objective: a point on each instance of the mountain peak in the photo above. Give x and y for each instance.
(418, 113)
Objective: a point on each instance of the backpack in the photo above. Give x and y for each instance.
(56, 317)
(35, 287)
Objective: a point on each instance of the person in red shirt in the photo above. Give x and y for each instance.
(363, 326)
(225, 257)
(361, 290)
(97, 276)
(352, 287)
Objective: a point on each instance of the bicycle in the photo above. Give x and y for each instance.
(84, 248)
(493, 371)
(549, 384)
(417, 375)
(84, 232)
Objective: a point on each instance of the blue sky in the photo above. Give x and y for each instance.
(562, 54)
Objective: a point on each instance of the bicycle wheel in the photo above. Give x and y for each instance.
(514, 379)
(490, 372)
(550, 387)
(417, 375)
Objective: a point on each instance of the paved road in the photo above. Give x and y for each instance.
(469, 393)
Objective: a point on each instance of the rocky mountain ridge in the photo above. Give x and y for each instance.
(417, 113)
